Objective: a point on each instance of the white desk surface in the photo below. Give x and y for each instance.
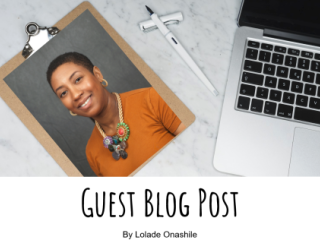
(207, 33)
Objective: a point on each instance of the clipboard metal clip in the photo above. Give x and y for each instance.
(37, 37)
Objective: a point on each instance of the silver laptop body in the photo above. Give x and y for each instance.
(259, 143)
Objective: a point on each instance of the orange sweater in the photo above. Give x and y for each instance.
(151, 122)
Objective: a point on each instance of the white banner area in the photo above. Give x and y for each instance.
(159, 208)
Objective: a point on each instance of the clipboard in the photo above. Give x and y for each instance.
(13, 101)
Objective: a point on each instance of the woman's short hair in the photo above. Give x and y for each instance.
(74, 57)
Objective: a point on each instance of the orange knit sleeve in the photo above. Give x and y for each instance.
(163, 112)
(92, 163)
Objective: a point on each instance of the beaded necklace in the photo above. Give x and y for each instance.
(117, 143)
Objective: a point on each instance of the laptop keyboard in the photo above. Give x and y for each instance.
(281, 82)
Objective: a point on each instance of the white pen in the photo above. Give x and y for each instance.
(181, 51)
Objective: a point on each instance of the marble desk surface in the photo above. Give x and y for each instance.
(207, 32)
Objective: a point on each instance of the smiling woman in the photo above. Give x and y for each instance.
(130, 127)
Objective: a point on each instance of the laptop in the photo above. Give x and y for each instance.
(270, 120)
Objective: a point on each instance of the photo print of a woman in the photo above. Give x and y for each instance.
(129, 128)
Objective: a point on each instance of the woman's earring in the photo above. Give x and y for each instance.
(105, 83)
(72, 114)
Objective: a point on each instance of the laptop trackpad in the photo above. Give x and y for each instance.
(305, 153)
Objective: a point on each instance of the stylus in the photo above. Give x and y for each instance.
(181, 51)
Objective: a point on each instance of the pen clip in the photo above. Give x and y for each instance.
(149, 29)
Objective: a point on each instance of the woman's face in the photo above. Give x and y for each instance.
(78, 89)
